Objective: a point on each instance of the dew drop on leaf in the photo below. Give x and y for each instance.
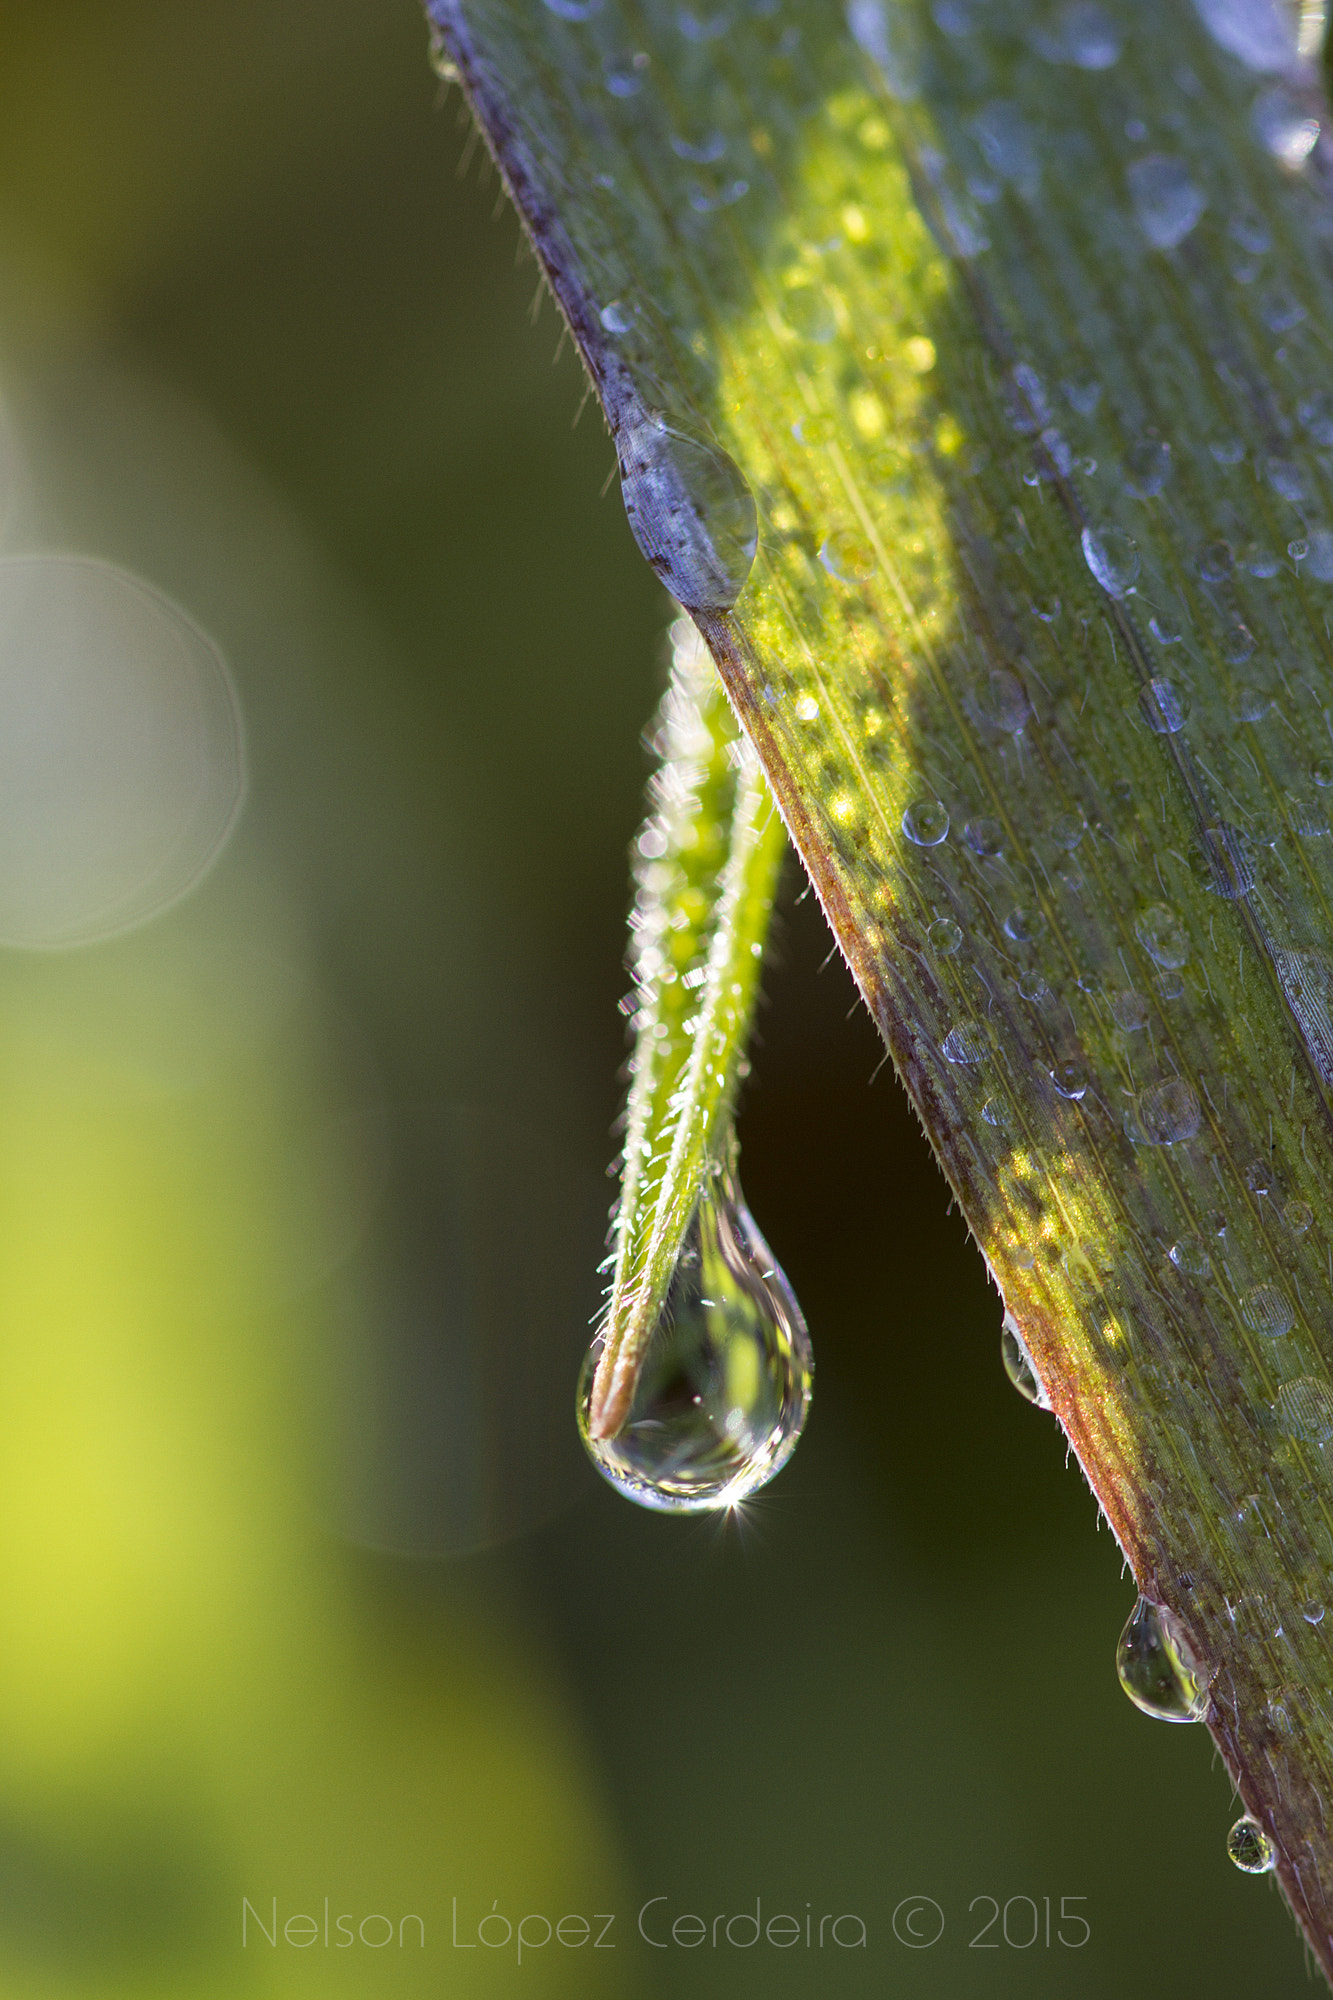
(1250, 1848)
(1018, 1365)
(1268, 1310)
(1304, 1409)
(1147, 467)
(1162, 935)
(1112, 557)
(1166, 706)
(728, 1376)
(964, 1044)
(1167, 202)
(1154, 1668)
(926, 822)
(848, 556)
(1168, 1113)
(984, 836)
(691, 513)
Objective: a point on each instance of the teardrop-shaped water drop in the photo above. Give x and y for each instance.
(1250, 1848)
(691, 513)
(726, 1384)
(1154, 1668)
(1018, 1366)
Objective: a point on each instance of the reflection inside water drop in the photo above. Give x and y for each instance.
(1155, 1667)
(726, 1384)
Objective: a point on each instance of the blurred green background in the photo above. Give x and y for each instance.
(305, 1589)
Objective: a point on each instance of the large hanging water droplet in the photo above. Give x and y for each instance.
(691, 513)
(1250, 1848)
(1154, 1667)
(1018, 1366)
(726, 1383)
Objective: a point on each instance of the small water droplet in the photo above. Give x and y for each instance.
(1224, 860)
(1248, 227)
(1322, 772)
(1316, 413)
(1083, 396)
(1167, 202)
(848, 556)
(726, 1385)
(701, 27)
(944, 937)
(1298, 549)
(1313, 1612)
(1268, 1310)
(995, 1114)
(574, 10)
(1068, 829)
(814, 429)
(1250, 1848)
(1164, 630)
(1250, 704)
(1071, 1080)
(1166, 706)
(1155, 1668)
(1298, 1215)
(1284, 125)
(1007, 145)
(618, 317)
(1112, 557)
(704, 151)
(1308, 818)
(1162, 935)
(926, 822)
(1286, 480)
(1190, 1255)
(1129, 1010)
(1033, 987)
(1237, 644)
(624, 75)
(964, 1044)
(1024, 925)
(1304, 1408)
(1319, 555)
(1082, 35)
(1281, 311)
(1258, 1177)
(1147, 467)
(1018, 1365)
(1004, 702)
(984, 836)
(1216, 560)
(1168, 1113)
(691, 513)
(706, 200)
(808, 312)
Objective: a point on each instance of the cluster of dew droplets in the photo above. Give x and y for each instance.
(727, 1377)
(1155, 1666)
